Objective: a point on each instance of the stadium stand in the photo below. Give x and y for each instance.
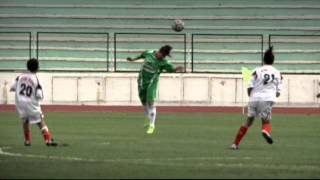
(221, 36)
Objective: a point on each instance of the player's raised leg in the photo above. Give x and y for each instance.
(27, 133)
(241, 133)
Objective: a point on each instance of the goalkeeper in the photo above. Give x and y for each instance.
(155, 62)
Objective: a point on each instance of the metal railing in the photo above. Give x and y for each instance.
(7, 40)
(296, 53)
(226, 39)
(77, 38)
(197, 50)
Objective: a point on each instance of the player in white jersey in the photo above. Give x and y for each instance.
(263, 90)
(28, 94)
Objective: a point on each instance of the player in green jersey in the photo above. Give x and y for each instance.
(155, 62)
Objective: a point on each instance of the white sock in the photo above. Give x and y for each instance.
(152, 116)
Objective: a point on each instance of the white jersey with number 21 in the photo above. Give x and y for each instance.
(266, 82)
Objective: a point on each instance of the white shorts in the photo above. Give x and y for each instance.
(263, 109)
(31, 115)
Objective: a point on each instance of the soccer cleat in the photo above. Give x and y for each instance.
(51, 143)
(150, 130)
(234, 147)
(146, 123)
(267, 137)
(27, 143)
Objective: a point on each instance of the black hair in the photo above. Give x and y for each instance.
(33, 65)
(165, 50)
(268, 56)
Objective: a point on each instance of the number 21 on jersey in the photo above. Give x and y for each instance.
(268, 78)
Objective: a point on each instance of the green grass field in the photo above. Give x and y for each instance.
(185, 145)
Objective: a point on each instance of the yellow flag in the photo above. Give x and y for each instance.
(246, 73)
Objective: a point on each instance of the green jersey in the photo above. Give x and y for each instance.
(152, 66)
(149, 75)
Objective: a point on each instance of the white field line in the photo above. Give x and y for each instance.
(180, 160)
(270, 166)
(141, 160)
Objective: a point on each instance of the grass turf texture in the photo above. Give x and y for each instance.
(185, 145)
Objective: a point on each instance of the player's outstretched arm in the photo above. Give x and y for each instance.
(133, 59)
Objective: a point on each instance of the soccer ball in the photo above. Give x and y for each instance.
(178, 25)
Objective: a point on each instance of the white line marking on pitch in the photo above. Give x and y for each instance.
(266, 166)
(142, 160)
(148, 161)
(6, 147)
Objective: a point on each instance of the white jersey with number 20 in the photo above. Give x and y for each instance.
(266, 82)
(28, 95)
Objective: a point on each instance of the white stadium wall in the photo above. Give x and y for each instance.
(174, 89)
